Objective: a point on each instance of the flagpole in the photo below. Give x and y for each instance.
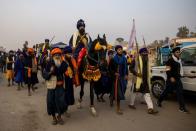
(144, 42)
(137, 49)
(52, 39)
(132, 37)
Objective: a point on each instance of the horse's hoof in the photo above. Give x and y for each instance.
(93, 111)
(79, 105)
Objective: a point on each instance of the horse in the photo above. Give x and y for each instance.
(96, 52)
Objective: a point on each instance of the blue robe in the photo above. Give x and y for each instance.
(19, 71)
(119, 64)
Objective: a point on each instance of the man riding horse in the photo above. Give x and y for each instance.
(79, 43)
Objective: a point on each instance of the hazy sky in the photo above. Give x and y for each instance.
(35, 20)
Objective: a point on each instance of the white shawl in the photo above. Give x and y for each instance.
(179, 61)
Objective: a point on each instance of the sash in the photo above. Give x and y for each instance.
(75, 36)
(139, 79)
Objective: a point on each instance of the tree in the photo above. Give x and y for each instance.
(183, 32)
(161, 42)
(192, 34)
(166, 40)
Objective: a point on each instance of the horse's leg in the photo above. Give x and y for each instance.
(82, 90)
(98, 98)
(81, 93)
(91, 94)
(92, 108)
(101, 98)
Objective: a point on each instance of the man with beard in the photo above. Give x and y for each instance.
(174, 72)
(54, 74)
(30, 70)
(80, 43)
(140, 69)
(118, 69)
(79, 39)
(10, 72)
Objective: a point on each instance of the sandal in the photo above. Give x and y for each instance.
(54, 122)
(61, 122)
(119, 112)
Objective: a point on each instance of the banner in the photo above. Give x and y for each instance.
(132, 37)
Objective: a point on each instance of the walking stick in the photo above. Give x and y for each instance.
(116, 86)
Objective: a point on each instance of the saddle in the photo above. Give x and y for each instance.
(91, 73)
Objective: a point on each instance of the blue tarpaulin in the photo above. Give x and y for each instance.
(60, 45)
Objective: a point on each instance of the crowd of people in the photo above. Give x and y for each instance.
(61, 69)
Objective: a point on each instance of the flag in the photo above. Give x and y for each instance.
(144, 42)
(132, 37)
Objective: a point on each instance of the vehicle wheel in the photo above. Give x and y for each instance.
(157, 88)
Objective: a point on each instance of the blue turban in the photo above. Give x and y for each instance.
(143, 50)
(117, 47)
(176, 49)
(80, 23)
(11, 51)
(67, 49)
(47, 40)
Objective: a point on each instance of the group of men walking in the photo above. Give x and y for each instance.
(22, 67)
(60, 69)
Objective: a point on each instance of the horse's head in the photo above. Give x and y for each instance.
(99, 46)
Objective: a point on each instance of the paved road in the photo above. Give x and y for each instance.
(19, 112)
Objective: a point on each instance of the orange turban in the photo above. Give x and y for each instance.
(30, 50)
(56, 51)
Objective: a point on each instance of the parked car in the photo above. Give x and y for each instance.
(188, 57)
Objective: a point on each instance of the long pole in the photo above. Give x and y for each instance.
(52, 39)
(144, 42)
(116, 86)
(137, 49)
